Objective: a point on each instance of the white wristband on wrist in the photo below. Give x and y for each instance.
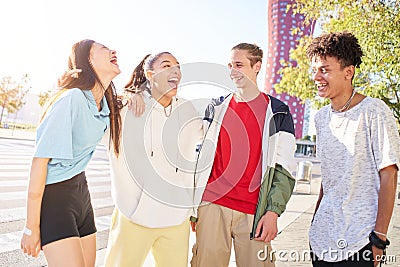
(378, 233)
(27, 231)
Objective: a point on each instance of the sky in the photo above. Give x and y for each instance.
(37, 35)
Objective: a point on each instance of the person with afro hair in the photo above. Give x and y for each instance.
(358, 145)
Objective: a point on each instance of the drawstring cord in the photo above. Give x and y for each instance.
(177, 143)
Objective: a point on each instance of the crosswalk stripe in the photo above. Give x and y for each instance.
(11, 241)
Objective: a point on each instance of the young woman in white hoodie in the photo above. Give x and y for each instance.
(153, 175)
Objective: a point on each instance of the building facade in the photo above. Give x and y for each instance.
(280, 41)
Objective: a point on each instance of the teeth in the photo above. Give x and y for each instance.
(173, 79)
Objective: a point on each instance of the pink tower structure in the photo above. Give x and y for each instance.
(279, 42)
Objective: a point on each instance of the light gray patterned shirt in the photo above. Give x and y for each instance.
(353, 146)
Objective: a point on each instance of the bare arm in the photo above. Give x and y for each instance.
(386, 198)
(31, 243)
(321, 194)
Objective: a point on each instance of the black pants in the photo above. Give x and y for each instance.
(363, 258)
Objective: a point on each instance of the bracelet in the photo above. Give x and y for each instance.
(379, 233)
(377, 242)
(27, 231)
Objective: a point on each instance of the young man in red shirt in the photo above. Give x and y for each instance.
(249, 182)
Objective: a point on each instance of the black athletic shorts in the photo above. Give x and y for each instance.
(66, 210)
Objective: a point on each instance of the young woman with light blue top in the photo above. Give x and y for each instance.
(60, 216)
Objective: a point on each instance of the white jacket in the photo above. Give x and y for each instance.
(153, 177)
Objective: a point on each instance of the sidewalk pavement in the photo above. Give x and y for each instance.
(292, 242)
(17, 134)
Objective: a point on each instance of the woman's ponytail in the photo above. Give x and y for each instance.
(138, 78)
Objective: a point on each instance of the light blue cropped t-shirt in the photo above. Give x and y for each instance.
(70, 132)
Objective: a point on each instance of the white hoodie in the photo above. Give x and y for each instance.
(153, 176)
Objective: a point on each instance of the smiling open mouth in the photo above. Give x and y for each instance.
(321, 86)
(173, 82)
(114, 61)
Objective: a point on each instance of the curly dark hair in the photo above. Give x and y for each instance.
(341, 45)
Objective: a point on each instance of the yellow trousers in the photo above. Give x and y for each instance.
(130, 243)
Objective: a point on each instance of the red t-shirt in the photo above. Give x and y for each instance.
(236, 173)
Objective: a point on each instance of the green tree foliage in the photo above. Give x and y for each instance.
(44, 97)
(296, 78)
(12, 94)
(376, 24)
